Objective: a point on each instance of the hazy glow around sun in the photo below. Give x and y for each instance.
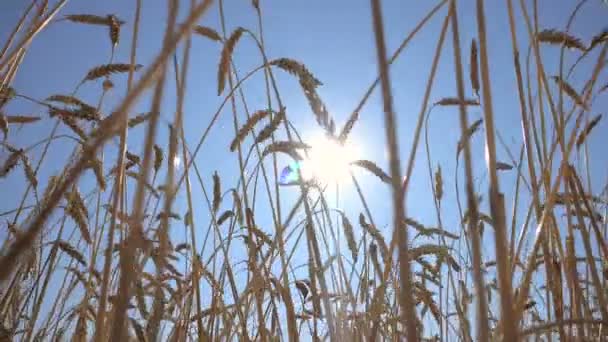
(328, 162)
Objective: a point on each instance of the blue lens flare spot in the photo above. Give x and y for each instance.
(289, 174)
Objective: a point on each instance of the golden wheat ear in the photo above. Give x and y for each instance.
(555, 37)
(226, 57)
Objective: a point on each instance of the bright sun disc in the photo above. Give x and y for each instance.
(328, 161)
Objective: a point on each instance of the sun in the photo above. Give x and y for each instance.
(328, 161)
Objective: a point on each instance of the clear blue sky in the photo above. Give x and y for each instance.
(334, 39)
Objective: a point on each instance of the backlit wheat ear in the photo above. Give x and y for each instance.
(551, 36)
(81, 222)
(10, 163)
(138, 119)
(503, 166)
(288, 147)
(469, 132)
(318, 107)
(567, 88)
(224, 67)
(247, 127)
(71, 251)
(7, 93)
(87, 19)
(217, 192)
(350, 236)
(297, 69)
(73, 125)
(28, 170)
(21, 119)
(375, 233)
(114, 29)
(600, 38)
(73, 101)
(158, 158)
(438, 183)
(373, 168)
(97, 167)
(225, 216)
(348, 127)
(426, 249)
(454, 101)
(108, 69)
(267, 130)
(474, 73)
(4, 125)
(238, 208)
(207, 32)
(587, 130)
(83, 113)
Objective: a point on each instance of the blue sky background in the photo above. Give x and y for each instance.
(335, 41)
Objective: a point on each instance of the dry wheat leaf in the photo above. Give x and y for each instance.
(374, 169)
(587, 130)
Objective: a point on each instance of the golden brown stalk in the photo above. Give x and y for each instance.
(406, 299)
(482, 329)
(497, 206)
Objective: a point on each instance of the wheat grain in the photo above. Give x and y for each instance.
(224, 216)
(108, 69)
(552, 36)
(207, 32)
(350, 236)
(474, 73)
(4, 125)
(247, 127)
(567, 88)
(28, 170)
(71, 251)
(87, 19)
(373, 168)
(587, 130)
(10, 163)
(226, 56)
(375, 233)
(217, 192)
(297, 69)
(114, 29)
(469, 132)
(454, 101)
(272, 126)
(287, 147)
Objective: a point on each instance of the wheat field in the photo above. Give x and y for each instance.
(174, 174)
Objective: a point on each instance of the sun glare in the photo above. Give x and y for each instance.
(328, 162)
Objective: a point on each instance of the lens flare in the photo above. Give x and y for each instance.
(327, 162)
